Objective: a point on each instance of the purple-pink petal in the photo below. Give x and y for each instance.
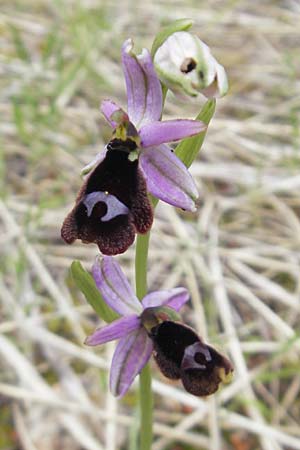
(144, 94)
(135, 83)
(156, 133)
(115, 330)
(154, 98)
(167, 177)
(114, 286)
(108, 108)
(131, 355)
(174, 298)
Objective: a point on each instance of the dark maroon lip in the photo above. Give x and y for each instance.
(122, 180)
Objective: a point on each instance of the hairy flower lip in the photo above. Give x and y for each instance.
(135, 346)
(181, 354)
(112, 204)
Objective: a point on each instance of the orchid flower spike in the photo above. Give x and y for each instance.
(135, 346)
(113, 204)
(186, 66)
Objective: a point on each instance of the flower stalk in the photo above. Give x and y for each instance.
(141, 263)
(146, 408)
(145, 389)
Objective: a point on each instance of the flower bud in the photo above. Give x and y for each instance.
(186, 66)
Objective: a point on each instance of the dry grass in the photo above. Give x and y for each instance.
(238, 256)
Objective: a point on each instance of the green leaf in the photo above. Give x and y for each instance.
(86, 284)
(188, 149)
(162, 35)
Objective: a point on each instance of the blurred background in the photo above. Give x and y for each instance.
(238, 255)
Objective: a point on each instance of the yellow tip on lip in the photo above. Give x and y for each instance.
(225, 377)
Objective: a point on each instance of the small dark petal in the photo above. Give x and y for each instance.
(116, 190)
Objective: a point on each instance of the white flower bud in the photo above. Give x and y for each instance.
(185, 65)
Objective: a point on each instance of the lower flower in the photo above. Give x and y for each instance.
(152, 326)
(135, 346)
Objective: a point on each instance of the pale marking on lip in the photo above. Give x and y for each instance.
(115, 208)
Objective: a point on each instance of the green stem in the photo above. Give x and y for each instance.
(146, 408)
(141, 259)
(145, 393)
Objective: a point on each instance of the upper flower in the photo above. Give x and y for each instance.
(135, 346)
(166, 176)
(185, 64)
(112, 204)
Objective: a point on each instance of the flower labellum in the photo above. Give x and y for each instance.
(135, 346)
(112, 204)
(186, 66)
(181, 354)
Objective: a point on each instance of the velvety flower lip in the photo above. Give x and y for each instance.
(135, 346)
(181, 354)
(112, 205)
